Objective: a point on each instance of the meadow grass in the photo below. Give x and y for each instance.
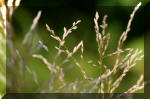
(107, 82)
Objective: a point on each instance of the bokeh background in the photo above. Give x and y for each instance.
(58, 14)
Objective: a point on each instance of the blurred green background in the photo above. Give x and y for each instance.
(58, 14)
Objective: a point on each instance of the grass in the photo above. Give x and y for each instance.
(2, 50)
(108, 80)
(105, 83)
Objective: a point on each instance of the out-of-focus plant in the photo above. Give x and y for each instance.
(2, 48)
(6, 11)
